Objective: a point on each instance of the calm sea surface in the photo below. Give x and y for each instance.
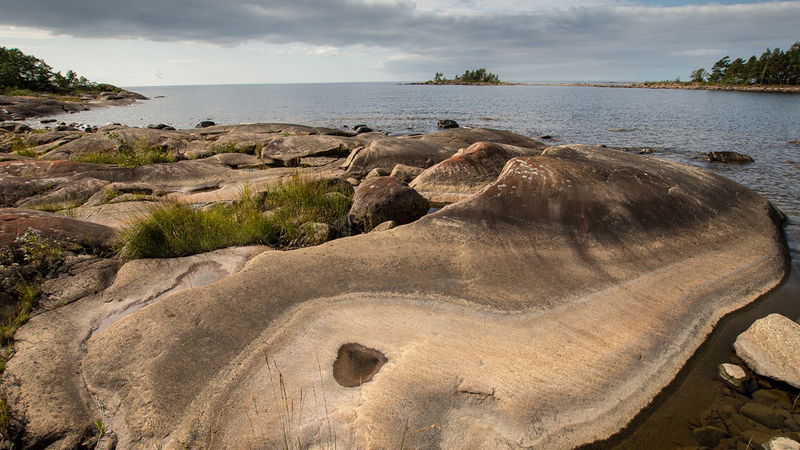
(679, 125)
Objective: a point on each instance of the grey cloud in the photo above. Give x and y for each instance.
(555, 38)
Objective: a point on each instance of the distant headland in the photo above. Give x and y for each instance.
(29, 88)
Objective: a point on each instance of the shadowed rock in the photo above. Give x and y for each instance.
(383, 199)
(728, 157)
(544, 311)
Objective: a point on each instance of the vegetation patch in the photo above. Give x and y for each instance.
(773, 67)
(19, 147)
(128, 154)
(477, 76)
(27, 75)
(231, 147)
(275, 217)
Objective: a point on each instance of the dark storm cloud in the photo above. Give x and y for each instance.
(494, 39)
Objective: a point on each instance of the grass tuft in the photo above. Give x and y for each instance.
(130, 155)
(231, 147)
(274, 217)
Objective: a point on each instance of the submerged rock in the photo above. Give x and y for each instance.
(447, 123)
(736, 377)
(729, 157)
(771, 347)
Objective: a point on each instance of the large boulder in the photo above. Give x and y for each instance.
(544, 311)
(467, 172)
(771, 347)
(382, 199)
(425, 151)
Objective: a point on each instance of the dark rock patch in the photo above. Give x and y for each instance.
(728, 157)
(356, 364)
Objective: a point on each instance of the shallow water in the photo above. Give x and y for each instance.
(679, 125)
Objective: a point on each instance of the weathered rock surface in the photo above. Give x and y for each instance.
(425, 151)
(406, 173)
(68, 232)
(545, 310)
(468, 311)
(49, 391)
(384, 199)
(466, 172)
(22, 107)
(292, 148)
(771, 347)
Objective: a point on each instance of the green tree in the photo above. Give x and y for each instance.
(699, 76)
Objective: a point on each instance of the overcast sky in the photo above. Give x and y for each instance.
(171, 42)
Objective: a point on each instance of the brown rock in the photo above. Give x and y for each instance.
(466, 172)
(70, 233)
(383, 199)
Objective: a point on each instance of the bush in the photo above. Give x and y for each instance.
(275, 217)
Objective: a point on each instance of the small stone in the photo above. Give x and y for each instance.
(353, 181)
(708, 436)
(773, 398)
(781, 443)
(447, 123)
(388, 225)
(377, 172)
(736, 377)
(763, 414)
(316, 233)
(728, 157)
(406, 173)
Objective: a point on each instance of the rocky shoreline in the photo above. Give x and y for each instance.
(557, 291)
(686, 86)
(17, 108)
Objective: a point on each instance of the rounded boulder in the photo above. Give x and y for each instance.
(386, 198)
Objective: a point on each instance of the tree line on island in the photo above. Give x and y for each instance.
(22, 74)
(477, 76)
(773, 67)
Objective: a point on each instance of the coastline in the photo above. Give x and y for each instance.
(25, 107)
(684, 86)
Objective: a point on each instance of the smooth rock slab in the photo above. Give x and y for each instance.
(771, 347)
(544, 311)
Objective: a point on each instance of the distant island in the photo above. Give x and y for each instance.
(469, 77)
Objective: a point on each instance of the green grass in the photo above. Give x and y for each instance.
(231, 147)
(296, 201)
(130, 155)
(20, 148)
(179, 230)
